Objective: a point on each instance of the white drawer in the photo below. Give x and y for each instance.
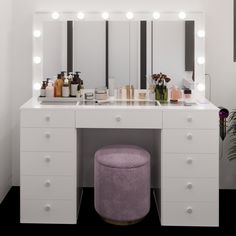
(187, 189)
(190, 141)
(47, 118)
(48, 139)
(190, 214)
(48, 187)
(119, 118)
(190, 119)
(48, 211)
(48, 163)
(190, 165)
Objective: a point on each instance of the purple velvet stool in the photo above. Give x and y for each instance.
(122, 184)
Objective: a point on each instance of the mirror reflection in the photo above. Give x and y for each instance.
(105, 50)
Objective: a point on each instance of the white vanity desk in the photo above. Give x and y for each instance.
(185, 159)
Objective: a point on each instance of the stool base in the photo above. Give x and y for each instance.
(122, 223)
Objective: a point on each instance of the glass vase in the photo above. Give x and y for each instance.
(161, 93)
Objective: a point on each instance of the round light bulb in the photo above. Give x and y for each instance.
(55, 15)
(105, 15)
(156, 15)
(201, 60)
(201, 34)
(37, 86)
(201, 87)
(80, 15)
(182, 15)
(37, 33)
(37, 60)
(130, 15)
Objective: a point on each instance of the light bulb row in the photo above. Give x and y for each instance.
(129, 15)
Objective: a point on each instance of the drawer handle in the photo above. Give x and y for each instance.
(47, 207)
(47, 135)
(190, 161)
(189, 118)
(118, 119)
(47, 159)
(47, 183)
(189, 136)
(189, 186)
(47, 117)
(189, 210)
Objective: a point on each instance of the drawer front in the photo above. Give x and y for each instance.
(48, 211)
(48, 139)
(47, 118)
(190, 165)
(190, 214)
(187, 189)
(190, 119)
(190, 141)
(48, 187)
(48, 163)
(117, 118)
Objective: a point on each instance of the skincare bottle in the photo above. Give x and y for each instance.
(58, 86)
(65, 89)
(43, 89)
(74, 85)
(50, 90)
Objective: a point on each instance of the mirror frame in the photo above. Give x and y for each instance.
(197, 17)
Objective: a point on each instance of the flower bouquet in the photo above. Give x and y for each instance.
(161, 90)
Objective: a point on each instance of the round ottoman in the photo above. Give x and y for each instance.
(122, 184)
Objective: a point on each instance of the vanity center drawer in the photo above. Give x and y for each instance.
(119, 118)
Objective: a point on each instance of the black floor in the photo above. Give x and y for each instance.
(90, 222)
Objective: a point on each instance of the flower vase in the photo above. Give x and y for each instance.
(161, 93)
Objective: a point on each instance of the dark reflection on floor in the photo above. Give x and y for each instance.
(90, 222)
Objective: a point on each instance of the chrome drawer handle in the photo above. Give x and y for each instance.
(189, 136)
(189, 186)
(47, 117)
(118, 119)
(48, 207)
(189, 210)
(189, 161)
(48, 183)
(189, 118)
(47, 159)
(47, 135)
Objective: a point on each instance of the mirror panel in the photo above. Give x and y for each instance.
(90, 52)
(124, 52)
(169, 51)
(54, 48)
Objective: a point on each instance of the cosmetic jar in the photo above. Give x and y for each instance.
(101, 94)
(187, 93)
(89, 96)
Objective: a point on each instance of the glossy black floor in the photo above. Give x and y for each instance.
(90, 222)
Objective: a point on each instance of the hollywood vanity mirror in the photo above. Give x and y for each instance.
(126, 47)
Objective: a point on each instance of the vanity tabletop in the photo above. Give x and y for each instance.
(33, 103)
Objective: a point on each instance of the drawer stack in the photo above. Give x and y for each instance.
(48, 166)
(189, 175)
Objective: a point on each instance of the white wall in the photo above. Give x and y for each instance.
(5, 96)
(219, 52)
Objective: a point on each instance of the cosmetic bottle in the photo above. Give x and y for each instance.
(43, 89)
(58, 86)
(65, 89)
(74, 85)
(50, 90)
